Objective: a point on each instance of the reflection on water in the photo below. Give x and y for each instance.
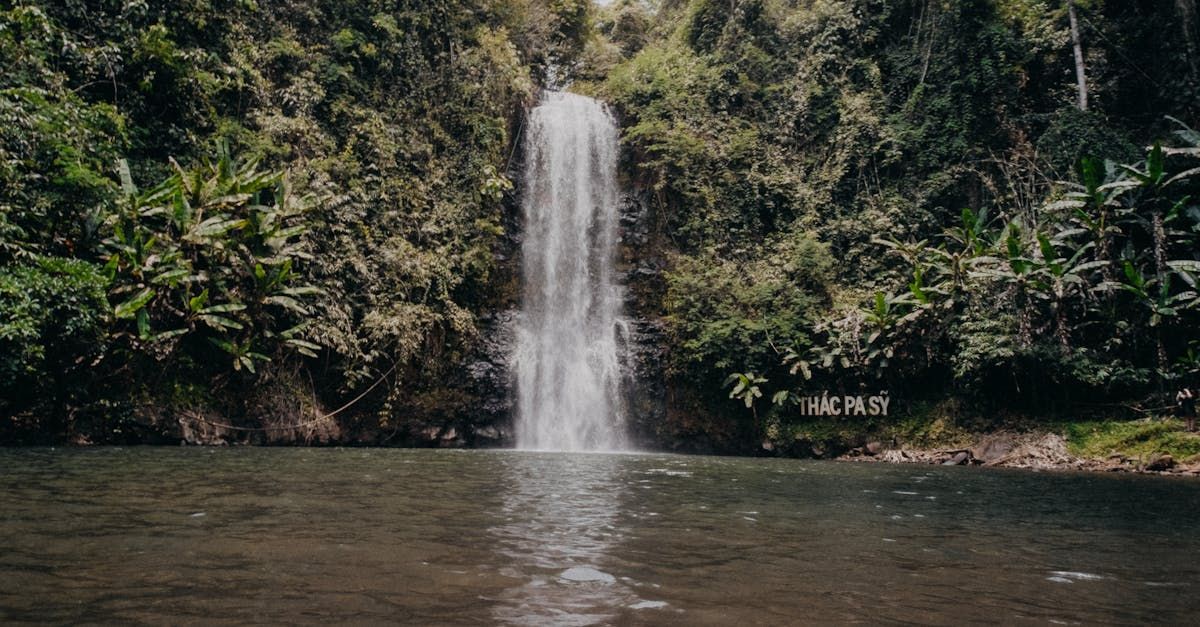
(559, 526)
(440, 537)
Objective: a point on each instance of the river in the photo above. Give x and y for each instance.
(252, 535)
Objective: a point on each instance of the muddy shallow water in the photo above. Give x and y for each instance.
(253, 535)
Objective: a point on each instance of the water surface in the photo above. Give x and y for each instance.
(241, 535)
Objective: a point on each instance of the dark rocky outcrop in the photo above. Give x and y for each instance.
(644, 329)
(490, 382)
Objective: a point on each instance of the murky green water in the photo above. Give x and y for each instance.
(253, 535)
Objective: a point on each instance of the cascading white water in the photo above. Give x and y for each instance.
(568, 364)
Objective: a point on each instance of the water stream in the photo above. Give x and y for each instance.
(568, 351)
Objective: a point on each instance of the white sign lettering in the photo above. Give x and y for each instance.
(846, 405)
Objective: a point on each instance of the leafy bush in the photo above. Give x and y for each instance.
(53, 314)
(725, 315)
(1074, 134)
(399, 114)
(1098, 299)
(212, 252)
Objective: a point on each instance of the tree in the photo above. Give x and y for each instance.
(1077, 47)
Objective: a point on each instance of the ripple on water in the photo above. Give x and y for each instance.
(587, 574)
(82, 539)
(668, 472)
(1070, 576)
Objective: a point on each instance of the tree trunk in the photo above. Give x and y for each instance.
(1160, 270)
(1080, 69)
(1060, 320)
(1160, 247)
(1187, 21)
(1160, 356)
(1106, 271)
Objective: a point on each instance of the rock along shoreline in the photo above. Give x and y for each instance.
(1031, 451)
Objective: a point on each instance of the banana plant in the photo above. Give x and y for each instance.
(1061, 280)
(212, 251)
(1095, 211)
(745, 387)
(968, 243)
(1162, 306)
(1154, 295)
(915, 254)
(1154, 209)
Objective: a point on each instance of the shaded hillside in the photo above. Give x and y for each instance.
(864, 196)
(231, 294)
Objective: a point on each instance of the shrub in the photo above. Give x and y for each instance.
(52, 316)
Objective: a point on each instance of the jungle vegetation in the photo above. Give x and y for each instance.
(992, 201)
(214, 205)
(257, 210)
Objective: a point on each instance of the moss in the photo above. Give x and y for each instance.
(1141, 438)
(829, 429)
(945, 425)
(931, 431)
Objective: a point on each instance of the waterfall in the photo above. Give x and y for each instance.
(568, 365)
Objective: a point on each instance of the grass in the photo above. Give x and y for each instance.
(930, 426)
(828, 429)
(1134, 439)
(945, 425)
(932, 431)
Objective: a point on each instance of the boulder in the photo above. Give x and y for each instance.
(896, 456)
(1160, 463)
(1047, 450)
(873, 448)
(959, 459)
(994, 448)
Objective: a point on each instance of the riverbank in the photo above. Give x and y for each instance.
(941, 434)
(1150, 445)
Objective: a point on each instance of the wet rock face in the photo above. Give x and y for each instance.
(644, 385)
(642, 263)
(489, 380)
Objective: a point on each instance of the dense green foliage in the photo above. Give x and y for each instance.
(1092, 296)
(217, 206)
(871, 126)
(52, 331)
(213, 252)
(360, 245)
